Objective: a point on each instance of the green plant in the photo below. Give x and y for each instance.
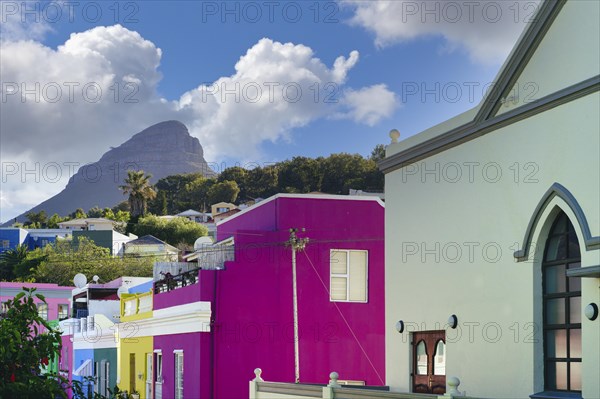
(25, 350)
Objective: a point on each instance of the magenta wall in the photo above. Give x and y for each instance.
(201, 291)
(253, 309)
(197, 378)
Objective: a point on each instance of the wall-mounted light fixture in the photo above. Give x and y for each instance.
(140, 376)
(400, 326)
(591, 311)
(453, 321)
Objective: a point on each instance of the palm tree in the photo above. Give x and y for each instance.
(137, 185)
(9, 260)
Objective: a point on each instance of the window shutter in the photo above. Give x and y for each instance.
(338, 288)
(358, 276)
(339, 262)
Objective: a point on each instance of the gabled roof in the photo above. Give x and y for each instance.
(485, 118)
(190, 212)
(77, 222)
(147, 240)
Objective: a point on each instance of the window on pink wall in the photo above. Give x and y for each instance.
(348, 275)
(63, 311)
(43, 310)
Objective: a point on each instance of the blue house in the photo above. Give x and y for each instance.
(11, 237)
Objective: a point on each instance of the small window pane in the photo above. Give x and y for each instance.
(573, 245)
(43, 311)
(358, 276)
(575, 310)
(439, 359)
(555, 279)
(556, 343)
(557, 248)
(574, 282)
(63, 311)
(575, 376)
(561, 375)
(339, 262)
(421, 358)
(555, 311)
(575, 342)
(339, 288)
(561, 224)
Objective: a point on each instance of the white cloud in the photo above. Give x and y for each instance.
(370, 104)
(276, 87)
(17, 22)
(486, 29)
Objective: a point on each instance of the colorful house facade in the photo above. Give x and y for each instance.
(494, 271)
(340, 292)
(57, 306)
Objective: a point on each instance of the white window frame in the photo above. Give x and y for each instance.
(158, 364)
(107, 379)
(67, 314)
(41, 306)
(5, 244)
(178, 385)
(348, 276)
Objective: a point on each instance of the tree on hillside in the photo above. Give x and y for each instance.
(9, 260)
(36, 220)
(263, 182)
(226, 191)
(62, 261)
(238, 175)
(137, 185)
(175, 231)
(378, 153)
(54, 220)
(162, 203)
(78, 214)
(95, 212)
(300, 174)
(174, 188)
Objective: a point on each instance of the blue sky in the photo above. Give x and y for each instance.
(398, 48)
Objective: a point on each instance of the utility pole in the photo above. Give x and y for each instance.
(297, 244)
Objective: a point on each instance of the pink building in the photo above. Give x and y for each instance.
(340, 286)
(57, 298)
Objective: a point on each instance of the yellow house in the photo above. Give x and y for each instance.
(221, 207)
(135, 343)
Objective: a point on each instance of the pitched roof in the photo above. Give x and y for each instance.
(147, 240)
(190, 212)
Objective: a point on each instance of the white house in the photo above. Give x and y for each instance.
(88, 224)
(493, 226)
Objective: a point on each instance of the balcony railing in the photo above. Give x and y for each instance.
(134, 304)
(81, 313)
(171, 282)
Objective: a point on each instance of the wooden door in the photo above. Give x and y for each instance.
(429, 362)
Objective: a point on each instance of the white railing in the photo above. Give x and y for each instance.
(259, 389)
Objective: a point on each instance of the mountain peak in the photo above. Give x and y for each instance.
(161, 150)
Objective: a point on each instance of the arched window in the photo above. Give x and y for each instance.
(562, 308)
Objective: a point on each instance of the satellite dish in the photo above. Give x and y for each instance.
(79, 280)
(96, 279)
(121, 291)
(202, 242)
